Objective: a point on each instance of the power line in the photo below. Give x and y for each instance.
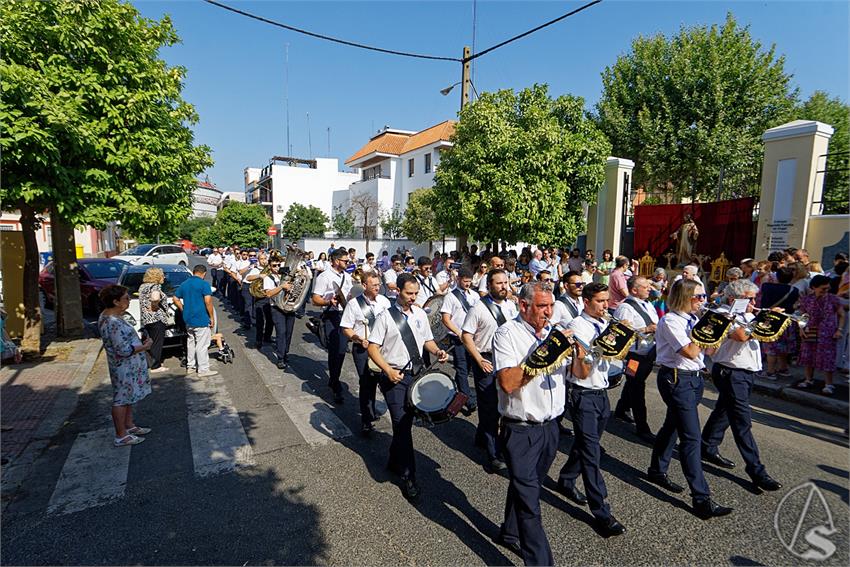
(529, 32)
(333, 39)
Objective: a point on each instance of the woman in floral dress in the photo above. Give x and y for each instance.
(128, 367)
(826, 319)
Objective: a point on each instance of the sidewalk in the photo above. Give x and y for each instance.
(784, 388)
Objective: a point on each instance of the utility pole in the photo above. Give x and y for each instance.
(464, 100)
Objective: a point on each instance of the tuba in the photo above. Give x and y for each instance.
(293, 270)
(256, 287)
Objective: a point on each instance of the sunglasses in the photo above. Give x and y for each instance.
(577, 284)
(700, 296)
(274, 265)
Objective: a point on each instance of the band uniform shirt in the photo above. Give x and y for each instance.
(481, 324)
(453, 306)
(443, 277)
(353, 316)
(238, 266)
(626, 312)
(484, 285)
(744, 355)
(561, 314)
(324, 286)
(542, 398)
(586, 328)
(214, 261)
(254, 271)
(387, 335)
(428, 287)
(270, 282)
(673, 334)
(390, 277)
(227, 261)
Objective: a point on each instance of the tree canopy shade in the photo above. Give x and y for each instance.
(242, 224)
(836, 181)
(521, 166)
(343, 222)
(420, 223)
(690, 110)
(300, 221)
(391, 223)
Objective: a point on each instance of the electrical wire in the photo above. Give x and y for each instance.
(333, 39)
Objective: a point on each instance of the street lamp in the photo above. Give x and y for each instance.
(447, 90)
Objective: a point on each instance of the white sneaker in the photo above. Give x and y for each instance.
(190, 371)
(207, 373)
(828, 390)
(159, 370)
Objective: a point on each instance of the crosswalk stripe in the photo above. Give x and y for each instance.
(313, 417)
(94, 473)
(219, 443)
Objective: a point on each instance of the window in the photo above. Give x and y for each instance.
(428, 162)
(410, 168)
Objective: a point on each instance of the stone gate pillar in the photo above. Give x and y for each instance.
(605, 217)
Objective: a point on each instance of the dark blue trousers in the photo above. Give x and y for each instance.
(733, 408)
(284, 323)
(529, 452)
(368, 384)
(682, 392)
(263, 318)
(214, 278)
(402, 460)
(488, 410)
(247, 305)
(633, 396)
(337, 346)
(590, 410)
(461, 362)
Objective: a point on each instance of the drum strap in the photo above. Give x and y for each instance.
(427, 283)
(640, 311)
(368, 310)
(462, 298)
(495, 311)
(569, 305)
(408, 339)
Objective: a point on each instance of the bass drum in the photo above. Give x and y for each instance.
(435, 320)
(616, 373)
(434, 398)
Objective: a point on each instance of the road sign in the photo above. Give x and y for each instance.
(272, 231)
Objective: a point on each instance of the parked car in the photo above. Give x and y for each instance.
(95, 274)
(155, 254)
(175, 330)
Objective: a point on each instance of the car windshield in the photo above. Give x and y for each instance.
(133, 280)
(138, 250)
(105, 270)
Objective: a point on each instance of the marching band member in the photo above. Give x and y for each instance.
(252, 269)
(455, 307)
(325, 295)
(639, 313)
(428, 284)
(570, 303)
(390, 276)
(263, 310)
(215, 262)
(734, 364)
(396, 346)
(681, 388)
(529, 434)
(283, 322)
(590, 409)
(478, 328)
(358, 318)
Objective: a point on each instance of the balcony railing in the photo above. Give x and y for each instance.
(381, 176)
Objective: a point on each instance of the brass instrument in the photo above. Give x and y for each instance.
(295, 272)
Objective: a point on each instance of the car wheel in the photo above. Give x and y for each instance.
(181, 263)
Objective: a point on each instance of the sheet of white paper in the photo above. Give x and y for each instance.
(740, 306)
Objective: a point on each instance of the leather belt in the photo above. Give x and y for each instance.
(586, 390)
(735, 369)
(525, 423)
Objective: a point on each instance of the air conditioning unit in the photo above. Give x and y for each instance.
(280, 208)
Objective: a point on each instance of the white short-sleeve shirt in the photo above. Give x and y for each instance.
(626, 312)
(454, 307)
(673, 334)
(324, 286)
(586, 328)
(353, 316)
(561, 314)
(270, 282)
(481, 324)
(542, 398)
(390, 277)
(744, 355)
(387, 334)
(214, 261)
(428, 287)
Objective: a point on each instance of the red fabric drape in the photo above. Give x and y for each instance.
(724, 226)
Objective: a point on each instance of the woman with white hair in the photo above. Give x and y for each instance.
(153, 314)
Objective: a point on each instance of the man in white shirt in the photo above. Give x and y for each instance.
(396, 267)
(215, 262)
(369, 264)
(251, 268)
(284, 323)
(456, 305)
(428, 284)
(529, 434)
(639, 313)
(331, 282)
(358, 319)
(590, 409)
(478, 329)
(734, 365)
(538, 263)
(400, 363)
(570, 303)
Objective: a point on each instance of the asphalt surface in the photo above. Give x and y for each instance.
(310, 490)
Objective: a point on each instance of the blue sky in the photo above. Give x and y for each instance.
(236, 66)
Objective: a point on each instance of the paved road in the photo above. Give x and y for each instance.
(258, 466)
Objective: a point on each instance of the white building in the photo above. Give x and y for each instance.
(285, 181)
(395, 163)
(205, 199)
(228, 196)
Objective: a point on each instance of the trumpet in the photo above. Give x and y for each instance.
(802, 319)
(644, 338)
(592, 353)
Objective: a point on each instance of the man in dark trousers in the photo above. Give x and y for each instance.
(332, 284)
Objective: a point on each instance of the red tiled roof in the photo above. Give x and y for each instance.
(397, 144)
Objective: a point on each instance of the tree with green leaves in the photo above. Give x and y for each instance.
(521, 166)
(243, 224)
(300, 221)
(420, 222)
(391, 223)
(836, 181)
(343, 222)
(690, 110)
(94, 130)
(190, 228)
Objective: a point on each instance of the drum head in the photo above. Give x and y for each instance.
(432, 392)
(435, 318)
(615, 367)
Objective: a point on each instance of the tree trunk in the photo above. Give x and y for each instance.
(69, 305)
(31, 341)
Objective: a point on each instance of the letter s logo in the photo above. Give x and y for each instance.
(815, 537)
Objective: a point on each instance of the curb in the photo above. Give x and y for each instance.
(18, 469)
(787, 392)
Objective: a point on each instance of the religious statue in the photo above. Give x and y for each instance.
(686, 240)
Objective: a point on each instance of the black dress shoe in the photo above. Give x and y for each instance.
(281, 365)
(706, 509)
(624, 416)
(664, 482)
(410, 490)
(338, 399)
(572, 493)
(610, 527)
(647, 436)
(718, 460)
(366, 429)
(495, 466)
(512, 546)
(767, 483)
